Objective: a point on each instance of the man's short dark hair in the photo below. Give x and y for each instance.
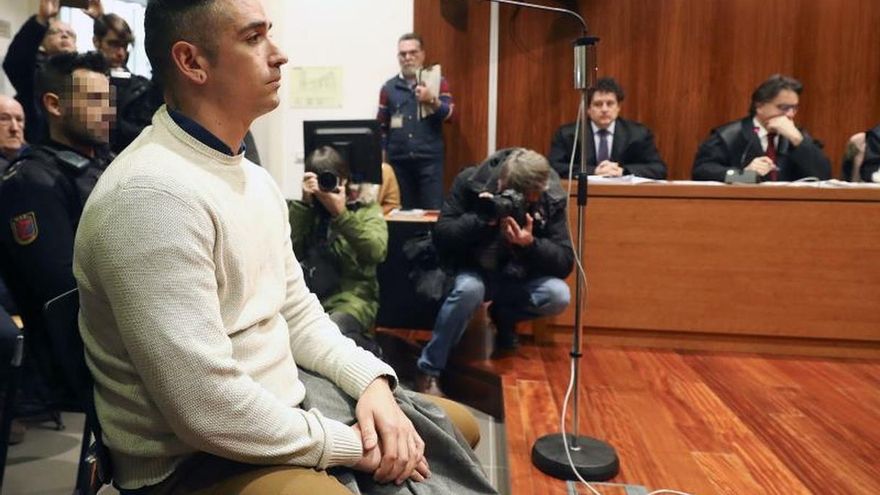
(770, 88)
(412, 36)
(327, 159)
(112, 22)
(168, 21)
(56, 75)
(605, 85)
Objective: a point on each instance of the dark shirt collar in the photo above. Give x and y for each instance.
(203, 135)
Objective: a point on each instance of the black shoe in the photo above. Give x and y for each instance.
(506, 341)
(428, 384)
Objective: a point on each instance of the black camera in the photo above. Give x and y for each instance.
(328, 182)
(508, 203)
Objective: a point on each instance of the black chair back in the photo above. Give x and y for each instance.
(62, 323)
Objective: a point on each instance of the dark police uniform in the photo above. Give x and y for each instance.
(42, 195)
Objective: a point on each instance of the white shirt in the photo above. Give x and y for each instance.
(762, 135)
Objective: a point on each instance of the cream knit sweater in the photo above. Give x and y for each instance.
(194, 315)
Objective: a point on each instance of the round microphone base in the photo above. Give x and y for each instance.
(594, 459)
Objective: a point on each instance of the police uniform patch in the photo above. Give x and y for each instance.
(24, 228)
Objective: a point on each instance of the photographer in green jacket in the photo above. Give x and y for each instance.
(339, 236)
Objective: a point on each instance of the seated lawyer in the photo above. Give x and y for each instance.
(766, 142)
(616, 146)
(870, 171)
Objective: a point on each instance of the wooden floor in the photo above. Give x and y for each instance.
(692, 421)
(703, 423)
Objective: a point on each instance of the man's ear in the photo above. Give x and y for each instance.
(190, 62)
(52, 104)
(97, 43)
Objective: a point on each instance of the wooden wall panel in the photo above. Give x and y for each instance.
(456, 35)
(686, 66)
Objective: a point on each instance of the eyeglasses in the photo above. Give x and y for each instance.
(785, 107)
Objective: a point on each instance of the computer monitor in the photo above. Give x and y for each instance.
(358, 141)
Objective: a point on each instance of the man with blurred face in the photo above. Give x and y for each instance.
(11, 131)
(43, 192)
(42, 36)
(615, 146)
(767, 143)
(204, 342)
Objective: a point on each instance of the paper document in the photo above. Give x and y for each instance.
(623, 179)
(430, 78)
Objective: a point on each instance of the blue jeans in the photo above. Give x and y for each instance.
(512, 301)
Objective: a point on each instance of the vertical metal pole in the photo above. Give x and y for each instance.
(584, 72)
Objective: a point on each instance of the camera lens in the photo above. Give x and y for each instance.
(327, 181)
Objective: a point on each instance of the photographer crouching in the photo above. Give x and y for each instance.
(339, 236)
(503, 230)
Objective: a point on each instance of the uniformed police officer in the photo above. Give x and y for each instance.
(43, 192)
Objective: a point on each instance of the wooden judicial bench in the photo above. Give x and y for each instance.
(776, 269)
(771, 269)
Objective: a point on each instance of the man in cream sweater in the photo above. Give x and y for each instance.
(194, 312)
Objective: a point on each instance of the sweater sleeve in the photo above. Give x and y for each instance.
(162, 290)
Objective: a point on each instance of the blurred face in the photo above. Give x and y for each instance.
(410, 56)
(603, 109)
(246, 74)
(88, 113)
(785, 104)
(114, 49)
(60, 38)
(11, 126)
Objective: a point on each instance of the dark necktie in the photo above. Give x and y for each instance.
(602, 155)
(771, 154)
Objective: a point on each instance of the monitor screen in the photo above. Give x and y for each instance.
(358, 141)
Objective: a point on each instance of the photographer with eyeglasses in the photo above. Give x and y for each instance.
(765, 146)
(503, 230)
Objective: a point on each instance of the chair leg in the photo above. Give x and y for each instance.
(83, 469)
(9, 404)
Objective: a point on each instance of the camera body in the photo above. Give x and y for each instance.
(507, 203)
(328, 182)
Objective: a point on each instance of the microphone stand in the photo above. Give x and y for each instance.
(568, 455)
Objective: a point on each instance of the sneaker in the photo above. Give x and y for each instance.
(428, 384)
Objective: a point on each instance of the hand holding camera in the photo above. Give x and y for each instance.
(507, 203)
(516, 235)
(327, 188)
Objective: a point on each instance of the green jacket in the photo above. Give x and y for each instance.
(360, 244)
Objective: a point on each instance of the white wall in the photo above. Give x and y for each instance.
(360, 36)
(15, 12)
